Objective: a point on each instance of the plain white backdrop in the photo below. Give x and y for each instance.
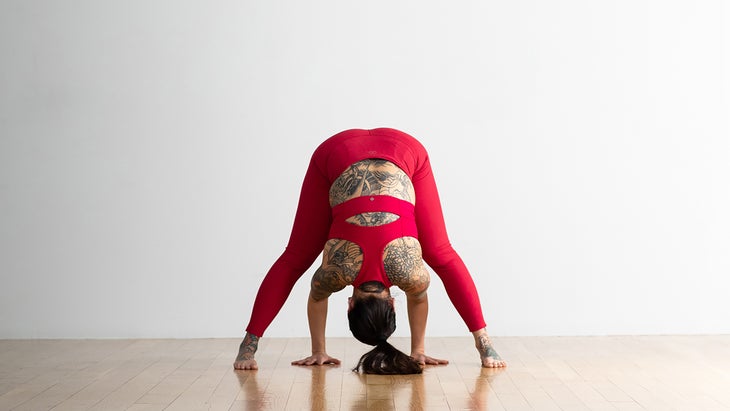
(151, 155)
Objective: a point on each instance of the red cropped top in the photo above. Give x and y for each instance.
(314, 220)
(372, 240)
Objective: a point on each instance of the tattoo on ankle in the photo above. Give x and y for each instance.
(248, 347)
(486, 349)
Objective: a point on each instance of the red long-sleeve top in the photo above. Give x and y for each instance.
(314, 216)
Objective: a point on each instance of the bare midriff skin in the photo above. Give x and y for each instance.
(342, 259)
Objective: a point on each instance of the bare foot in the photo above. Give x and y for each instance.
(245, 359)
(487, 353)
(245, 364)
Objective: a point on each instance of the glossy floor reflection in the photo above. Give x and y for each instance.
(336, 387)
(544, 373)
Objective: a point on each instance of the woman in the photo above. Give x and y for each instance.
(369, 203)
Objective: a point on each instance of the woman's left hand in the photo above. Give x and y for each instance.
(426, 360)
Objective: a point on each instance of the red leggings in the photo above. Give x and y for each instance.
(314, 218)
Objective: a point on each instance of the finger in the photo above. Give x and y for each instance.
(436, 361)
(439, 361)
(303, 361)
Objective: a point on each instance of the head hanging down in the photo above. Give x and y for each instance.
(372, 321)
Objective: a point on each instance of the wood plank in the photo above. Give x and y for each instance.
(547, 373)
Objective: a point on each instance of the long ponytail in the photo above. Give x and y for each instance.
(372, 321)
(386, 359)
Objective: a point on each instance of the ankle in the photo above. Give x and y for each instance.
(482, 340)
(249, 345)
(478, 334)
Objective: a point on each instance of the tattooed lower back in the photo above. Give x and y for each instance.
(373, 219)
(372, 177)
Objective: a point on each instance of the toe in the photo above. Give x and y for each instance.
(491, 363)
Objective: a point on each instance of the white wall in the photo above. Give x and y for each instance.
(151, 155)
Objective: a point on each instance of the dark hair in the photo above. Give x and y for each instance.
(372, 321)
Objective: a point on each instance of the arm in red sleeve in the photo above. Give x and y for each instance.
(307, 239)
(438, 252)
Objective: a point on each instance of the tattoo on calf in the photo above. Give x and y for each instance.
(248, 347)
(486, 349)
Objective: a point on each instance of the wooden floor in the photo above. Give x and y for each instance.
(544, 373)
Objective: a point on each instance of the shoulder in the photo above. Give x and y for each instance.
(341, 262)
(404, 267)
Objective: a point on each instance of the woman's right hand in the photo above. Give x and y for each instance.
(317, 359)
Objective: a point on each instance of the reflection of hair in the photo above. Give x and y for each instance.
(372, 321)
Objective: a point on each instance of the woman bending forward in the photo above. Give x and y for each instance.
(369, 203)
